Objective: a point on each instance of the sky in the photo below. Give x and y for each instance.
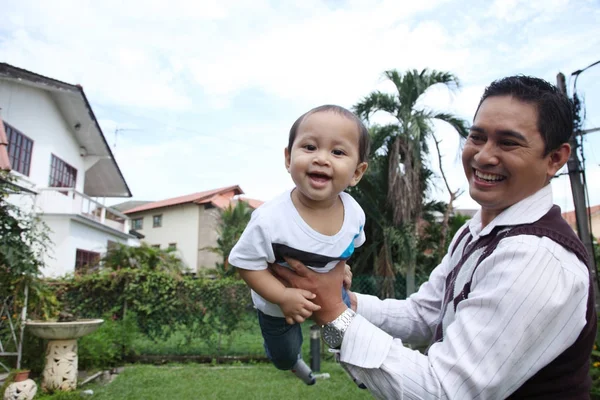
(193, 96)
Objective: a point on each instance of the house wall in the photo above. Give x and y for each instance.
(67, 235)
(596, 225)
(179, 224)
(34, 113)
(57, 254)
(207, 237)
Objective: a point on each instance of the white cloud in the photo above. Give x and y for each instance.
(193, 64)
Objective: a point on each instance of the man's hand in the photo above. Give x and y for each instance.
(327, 287)
(296, 306)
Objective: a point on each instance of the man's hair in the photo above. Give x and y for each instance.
(554, 109)
(363, 133)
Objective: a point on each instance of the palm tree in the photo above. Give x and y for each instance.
(233, 222)
(397, 157)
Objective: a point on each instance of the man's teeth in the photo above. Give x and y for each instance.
(489, 177)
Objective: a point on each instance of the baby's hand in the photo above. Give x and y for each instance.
(296, 305)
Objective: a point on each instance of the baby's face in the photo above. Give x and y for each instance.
(324, 159)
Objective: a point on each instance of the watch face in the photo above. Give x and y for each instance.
(332, 336)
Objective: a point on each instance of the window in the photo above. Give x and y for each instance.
(156, 246)
(157, 221)
(84, 258)
(137, 223)
(62, 174)
(19, 150)
(172, 246)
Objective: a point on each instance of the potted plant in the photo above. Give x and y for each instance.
(20, 375)
(18, 385)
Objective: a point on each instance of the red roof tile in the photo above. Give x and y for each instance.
(4, 160)
(569, 216)
(221, 201)
(252, 202)
(209, 196)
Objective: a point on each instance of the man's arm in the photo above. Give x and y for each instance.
(413, 320)
(525, 308)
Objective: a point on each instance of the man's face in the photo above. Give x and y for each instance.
(504, 155)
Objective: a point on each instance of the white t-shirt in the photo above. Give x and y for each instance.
(276, 229)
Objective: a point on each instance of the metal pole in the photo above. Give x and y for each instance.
(575, 177)
(22, 327)
(315, 348)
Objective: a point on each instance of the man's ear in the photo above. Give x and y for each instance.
(557, 158)
(288, 159)
(358, 173)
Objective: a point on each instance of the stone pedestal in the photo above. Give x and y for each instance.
(60, 372)
(24, 390)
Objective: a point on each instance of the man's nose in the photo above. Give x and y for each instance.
(487, 154)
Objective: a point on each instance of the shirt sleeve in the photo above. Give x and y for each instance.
(527, 306)
(361, 238)
(253, 250)
(413, 320)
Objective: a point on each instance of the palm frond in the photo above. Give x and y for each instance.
(376, 101)
(460, 125)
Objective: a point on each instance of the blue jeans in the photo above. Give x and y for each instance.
(283, 342)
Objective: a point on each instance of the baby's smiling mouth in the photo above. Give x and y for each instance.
(317, 176)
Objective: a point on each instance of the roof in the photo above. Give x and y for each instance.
(128, 205)
(569, 216)
(252, 202)
(217, 197)
(4, 160)
(104, 178)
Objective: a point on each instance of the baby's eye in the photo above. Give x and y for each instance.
(310, 147)
(338, 152)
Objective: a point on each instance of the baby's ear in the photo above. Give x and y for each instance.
(358, 173)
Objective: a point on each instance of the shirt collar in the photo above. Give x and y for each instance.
(525, 211)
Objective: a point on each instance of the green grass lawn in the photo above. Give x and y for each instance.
(200, 381)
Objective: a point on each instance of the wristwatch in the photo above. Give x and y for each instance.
(333, 332)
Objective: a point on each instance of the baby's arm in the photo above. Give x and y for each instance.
(294, 303)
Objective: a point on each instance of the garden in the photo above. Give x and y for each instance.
(170, 334)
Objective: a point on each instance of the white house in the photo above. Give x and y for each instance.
(60, 155)
(188, 224)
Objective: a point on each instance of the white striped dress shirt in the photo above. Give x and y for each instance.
(527, 305)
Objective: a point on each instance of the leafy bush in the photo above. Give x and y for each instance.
(155, 304)
(109, 345)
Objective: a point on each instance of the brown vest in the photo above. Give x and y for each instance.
(567, 376)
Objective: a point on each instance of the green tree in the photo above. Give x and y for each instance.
(398, 171)
(24, 240)
(144, 257)
(127, 261)
(231, 225)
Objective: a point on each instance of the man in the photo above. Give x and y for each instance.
(509, 312)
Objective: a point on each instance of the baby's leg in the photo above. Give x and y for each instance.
(283, 344)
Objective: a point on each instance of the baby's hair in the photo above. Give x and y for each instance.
(363, 139)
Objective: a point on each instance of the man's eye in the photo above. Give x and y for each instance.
(338, 152)
(476, 138)
(509, 143)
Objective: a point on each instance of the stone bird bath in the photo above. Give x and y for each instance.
(60, 371)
